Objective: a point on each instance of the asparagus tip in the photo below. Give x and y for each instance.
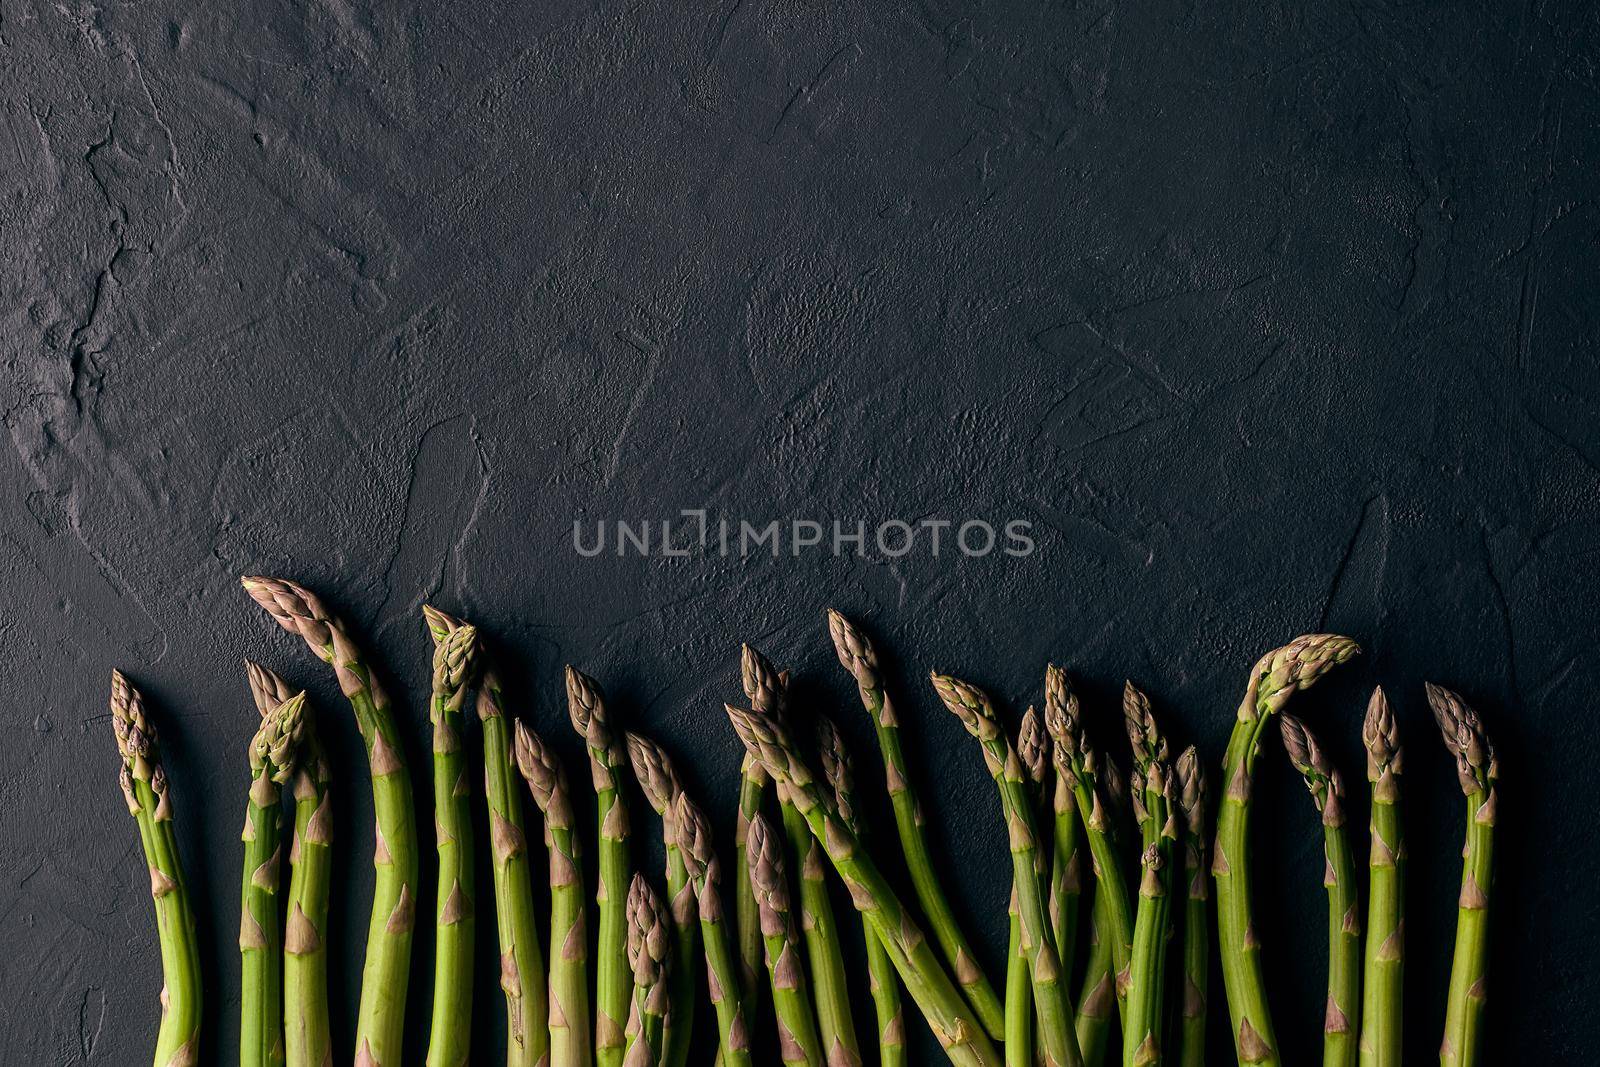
(1380, 734)
(1464, 737)
(653, 769)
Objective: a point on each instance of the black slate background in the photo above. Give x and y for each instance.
(1268, 318)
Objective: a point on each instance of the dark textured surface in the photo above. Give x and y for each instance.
(1269, 320)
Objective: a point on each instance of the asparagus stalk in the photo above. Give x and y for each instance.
(380, 1021)
(1097, 1000)
(857, 656)
(144, 787)
(522, 970)
(1339, 1043)
(953, 1021)
(450, 1037)
(1034, 752)
(798, 1039)
(1080, 765)
(723, 979)
(659, 783)
(613, 993)
(1155, 804)
(1383, 978)
(272, 762)
(1196, 915)
(308, 1041)
(1478, 771)
(763, 687)
(1066, 861)
(650, 957)
(1057, 1037)
(839, 773)
(1273, 680)
(819, 929)
(569, 1038)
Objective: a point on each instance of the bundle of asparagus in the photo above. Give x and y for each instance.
(1117, 945)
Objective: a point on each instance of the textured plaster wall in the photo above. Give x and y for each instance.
(1268, 317)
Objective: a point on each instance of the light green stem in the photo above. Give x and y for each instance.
(522, 961)
(926, 882)
(1019, 1049)
(685, 954)
(753, 784)
(1381, 1016)
(261, 931)
(571, 1040)
(1469, 971)
(1339, 1038)
(819, 931)
(1196, 959)
(614, 979)
(450, 1037)
(178, 1038)
(1141, 1043)
(308, 1041)
(1097, 997)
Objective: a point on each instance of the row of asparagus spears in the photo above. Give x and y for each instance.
(1100, 947)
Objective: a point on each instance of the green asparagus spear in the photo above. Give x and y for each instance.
(273, 751)
(839, 773)
(1273, 680)
(819, 928)
(144, 786)
(763, 686)
(1478, 771)
(650, 957)
(857, 656)
(1097, 1000)
(308, 1042)
(1155, 805)
(450, 1037)
(1082, 767)
(659, 783)
(722, 963)
(1060, 808)
(522, 971)
(1196, 916)
(1339, 1042)
(1383, 979)
(798, 1040)
(1057, 1037)
(1033, 749)
(380, 1021)
(953, 1021)
(613, 985)
(570, 1036)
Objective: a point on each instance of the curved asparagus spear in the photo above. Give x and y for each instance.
(1478, 771)
(1273, 680)
(650, 957)
(1196, 915)
(1080, 765)
(570, 1037)
(144, 787)
(613, 986)
(1155, 804)
(450, 1037)
(1344, 914)
(1382, 982)
(522, 971)
(798, 1040)
(273, 751)
(819, 929)
(308, 1042)
(1057, 1038)
(659, 783)
(839, 773)
(763, 687)
(722, 964)
(381, 1018)
(857, 656)
(953, 1022)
